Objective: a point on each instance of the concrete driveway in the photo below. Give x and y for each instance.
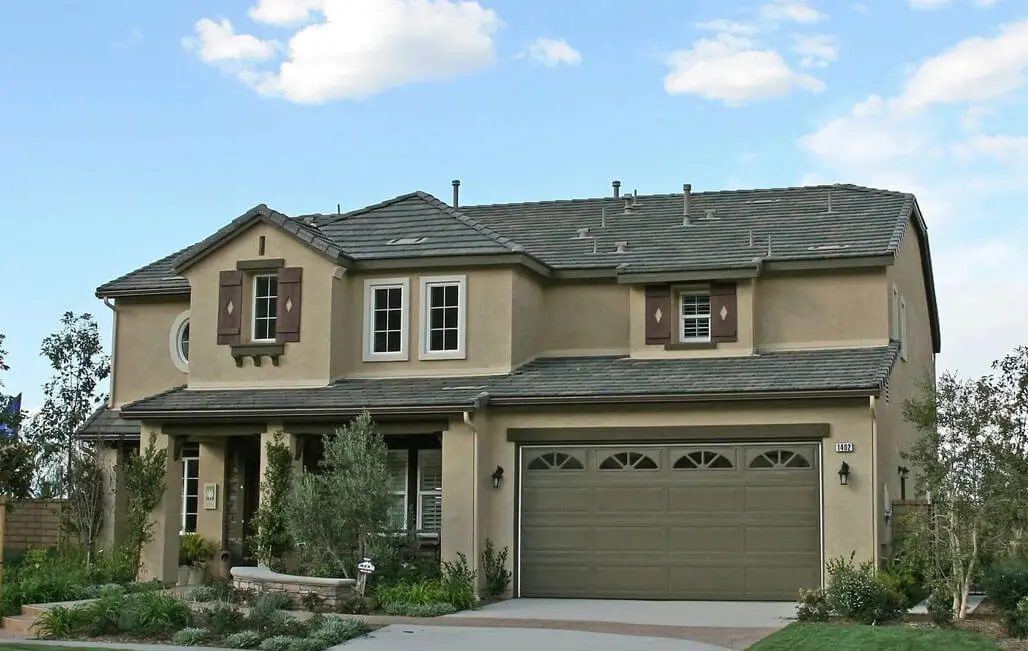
(585, 624)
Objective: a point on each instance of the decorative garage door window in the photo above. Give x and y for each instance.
(779, 459)
(556, 461)
(628, 461)
(703, 460)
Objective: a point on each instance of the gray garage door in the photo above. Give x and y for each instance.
(670, 522)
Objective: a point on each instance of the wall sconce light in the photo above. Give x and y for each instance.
(497, 476)
(844, 474)
(904, 472)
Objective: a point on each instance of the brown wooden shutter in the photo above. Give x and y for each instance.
(724, 319)
(230, 307)
(658, 314)
(289, 283)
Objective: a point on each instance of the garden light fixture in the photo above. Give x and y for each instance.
(844, 474)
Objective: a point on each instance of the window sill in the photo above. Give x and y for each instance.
(427, 356)
(257, 352)
(692, 345)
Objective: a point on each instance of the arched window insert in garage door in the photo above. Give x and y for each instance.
(628, 460)
(703, 460)
(778, 459)
(556, 461)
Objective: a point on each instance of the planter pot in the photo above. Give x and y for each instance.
(196, 573)
(183, 575)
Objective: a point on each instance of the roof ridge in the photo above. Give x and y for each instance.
(375, 206)
(900, 229)
(469, 222)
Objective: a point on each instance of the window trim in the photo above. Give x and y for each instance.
(253, 311)
(682, 339)
(427, 282)
(435, 491)
(174, 337)
(370, 285)
(904, 332)
(189, 454)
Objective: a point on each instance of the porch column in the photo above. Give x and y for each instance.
(210, 522)
(459, 494)
(115, 498)
(271, 435)
(160, 555)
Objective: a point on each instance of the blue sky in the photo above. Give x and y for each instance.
(133, 129)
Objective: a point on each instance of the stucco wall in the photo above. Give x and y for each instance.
(826, 308)
(583, 318)
(304, 363)
(143, 364)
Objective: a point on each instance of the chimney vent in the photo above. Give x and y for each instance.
(686, 194)
(620, 247)
(583, 233)
(628, 204)
(617, 188)
(456, 192)
(709, 214)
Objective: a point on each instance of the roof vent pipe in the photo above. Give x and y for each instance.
(829, 201)
(583, 233)
(628, 204)
(620, 247)
(686, 193)
(617, 188)
(456, 192)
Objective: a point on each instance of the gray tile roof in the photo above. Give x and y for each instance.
(862, 222)
(107, 424)
(862, 371)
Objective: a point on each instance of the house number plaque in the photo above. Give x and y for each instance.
(845, 447)
(210, 497)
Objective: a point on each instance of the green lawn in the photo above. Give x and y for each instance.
(854, 637)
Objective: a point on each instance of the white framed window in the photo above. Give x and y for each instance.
(398, 472)
(265, 308)
(386, 317)
(190, 487)
(894, 321)
(443, 317)
(178, 342)
(903, 329)
(430, 490)
(694, 317)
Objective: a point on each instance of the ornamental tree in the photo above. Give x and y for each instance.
(16, 456)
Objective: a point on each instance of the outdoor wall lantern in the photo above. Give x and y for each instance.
(844, 474)
(497, 476)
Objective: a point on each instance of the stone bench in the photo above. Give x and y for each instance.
(261, 579)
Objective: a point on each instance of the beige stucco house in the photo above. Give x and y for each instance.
(643, 396)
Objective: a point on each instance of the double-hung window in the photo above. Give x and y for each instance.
(190, 487)
(398, 474)
(694, 317)
(385, 306)
(265, 308)
(443, 316)
(416, 489)
(430, 490)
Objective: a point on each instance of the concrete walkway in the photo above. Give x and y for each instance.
(467, 638)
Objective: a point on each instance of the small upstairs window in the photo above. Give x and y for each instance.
(385, 306)
(443, 314)
(694, 317)
(265, 308)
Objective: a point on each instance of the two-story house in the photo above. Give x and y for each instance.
(661, 396)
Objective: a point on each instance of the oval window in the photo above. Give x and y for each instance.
(178, 342)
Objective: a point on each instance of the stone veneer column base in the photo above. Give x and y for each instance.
(332, 592)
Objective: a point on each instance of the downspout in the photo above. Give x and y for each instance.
(468, 420)
(114, 347)
(874, 481)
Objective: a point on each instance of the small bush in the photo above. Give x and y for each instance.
(279, 643)
(904, 584)
(195, 549)
(57, 623)
(108, 589)
(150, 614)
(221, 618)
(355, 605)
(854, 592)
(813, 606)
(191, 636)
(266, 621)
(494, 565)
(1016, 620)
(274, 600)
(312, 601)
(201, 594)
(940, 606)
(333, 630)
(458, 583)
(406, 609)
(243, 640)
(1006, 583)
(144, 586)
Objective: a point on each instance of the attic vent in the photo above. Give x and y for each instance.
(828, 247)
(620, 247)
(406, 240)
(583, 233)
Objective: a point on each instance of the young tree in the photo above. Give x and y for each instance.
(336, 513)
(971, 465)
(79, 364)
(87, 489)
(271, 540)
(16, 456)
(145, 484)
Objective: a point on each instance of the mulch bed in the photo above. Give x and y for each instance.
(985, 620)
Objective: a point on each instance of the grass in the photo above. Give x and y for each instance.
(854, 637)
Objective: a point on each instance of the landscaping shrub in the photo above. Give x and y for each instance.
(813, 606)
(356, 605)
(150, 614)
(400, 559)
(191, 636)
(111, 589)
(194, 549)
(59, 623)
(201, 594)
(279, 643)
(494, 565)
(45, 576)
(223, 590)
(940, 606)
(905, 584)
(407, 609)
(854, 592)
(273, 600)
(1006, 582)
(221, 618)
(1016, 620)
(312, 602)
(458, 583)
(333, 630)
(266, 620)
(243, 640)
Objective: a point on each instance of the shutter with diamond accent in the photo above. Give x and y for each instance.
(288, 326)
(230, 307)
(658, 314)
(724, 322)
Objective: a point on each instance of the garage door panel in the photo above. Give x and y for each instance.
(691, 532)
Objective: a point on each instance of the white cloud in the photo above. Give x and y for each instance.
(725, 26)
(974, 116)
(1003, 147)
(795, 12)
(285, 12)
(817, 50)
(552, 52)
(975, 70)
(217, 42)
(928, 4)
(733, 71)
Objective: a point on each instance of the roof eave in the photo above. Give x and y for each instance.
(193, 415)
(736, 396)
(929, 277)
